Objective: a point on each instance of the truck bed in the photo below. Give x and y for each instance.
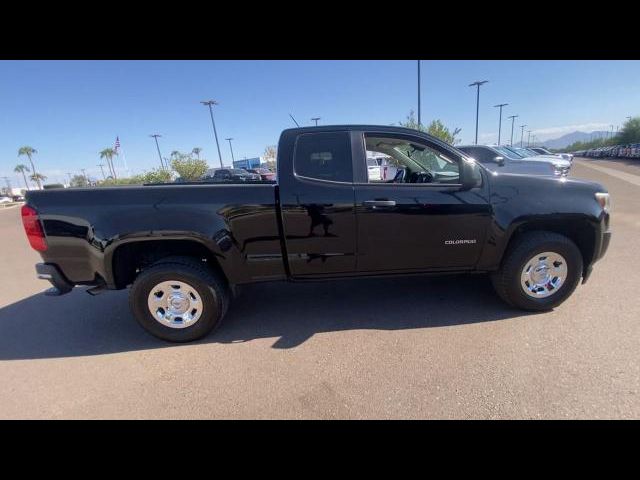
(86, 227)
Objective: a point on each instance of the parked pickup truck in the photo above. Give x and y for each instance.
(184, 248)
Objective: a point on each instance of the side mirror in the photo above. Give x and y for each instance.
(499, 161)
(470, 176)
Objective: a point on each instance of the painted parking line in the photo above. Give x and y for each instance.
(627, 177)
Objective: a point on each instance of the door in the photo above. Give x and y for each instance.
(318, 204)
(421, 220)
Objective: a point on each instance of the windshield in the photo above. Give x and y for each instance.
(505, 152)
(517, 152)
(425, 157)
(530, 153)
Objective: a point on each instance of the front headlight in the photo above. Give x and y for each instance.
(604, 201)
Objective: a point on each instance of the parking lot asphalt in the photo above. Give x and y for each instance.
(417, 347)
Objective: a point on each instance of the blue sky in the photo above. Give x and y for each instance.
(70, 110)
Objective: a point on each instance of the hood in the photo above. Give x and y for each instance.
(559, 161)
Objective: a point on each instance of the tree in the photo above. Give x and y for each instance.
(108, 154)
(79, 181)
(269, 155)
(158, 175)
(20, 168)
(38, 178)
(435, 128)
(630, 132)
(29, 152)
(189, 168)
(196, 151)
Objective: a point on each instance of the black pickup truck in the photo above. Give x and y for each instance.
(184, 248)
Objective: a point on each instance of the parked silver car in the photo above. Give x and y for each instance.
(544, 151)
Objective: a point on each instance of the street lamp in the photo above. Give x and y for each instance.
(513, 118)
(210, 104)
(528, 138)
(232, 157)
(155, 136)
(315, 119)
(500, 121)
(522, 133)
(477, 84)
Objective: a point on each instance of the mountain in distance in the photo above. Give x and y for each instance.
(569, 138)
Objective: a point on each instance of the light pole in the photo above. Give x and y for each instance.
(419, 109)
(232, 157)
(102, 170)
(155, 136)
(528, 138)
(500, 121)
(210, 104)
(522, 133)
(315, 119)
(477, 84)
(513, 118)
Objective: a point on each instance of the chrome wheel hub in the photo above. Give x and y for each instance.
(175, 304)
(543, 274)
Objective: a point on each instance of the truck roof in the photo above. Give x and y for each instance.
(380, 128)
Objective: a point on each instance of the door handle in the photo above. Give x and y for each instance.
(379, 203)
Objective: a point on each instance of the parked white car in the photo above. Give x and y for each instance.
(6, 200)
(380, 170)
(560, 163)
(544, 151)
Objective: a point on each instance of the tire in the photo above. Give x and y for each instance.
(206, 289)
(508, 280)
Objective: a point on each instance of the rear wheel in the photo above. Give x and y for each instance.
(179, 299)
(539, 272)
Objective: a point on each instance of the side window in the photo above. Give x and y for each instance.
(324, 156)
(484, 155)
(408, 160)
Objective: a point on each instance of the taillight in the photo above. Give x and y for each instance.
(33, 229)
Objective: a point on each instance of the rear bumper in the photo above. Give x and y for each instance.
(51, 272)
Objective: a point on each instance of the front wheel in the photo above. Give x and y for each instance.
(540, 272)
(179, 299)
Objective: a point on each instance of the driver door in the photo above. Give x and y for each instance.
(412, 227)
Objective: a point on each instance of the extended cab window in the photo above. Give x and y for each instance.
(407, 161)
(324, 156)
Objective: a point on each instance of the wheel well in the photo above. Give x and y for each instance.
(580, 232)
(130, 258)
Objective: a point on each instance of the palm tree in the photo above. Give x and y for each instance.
(29, 152)
(175, 154)
(20, 168)
(108, 153)
(38, 178)
(196, 151)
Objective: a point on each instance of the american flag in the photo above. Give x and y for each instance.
(117, 145)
